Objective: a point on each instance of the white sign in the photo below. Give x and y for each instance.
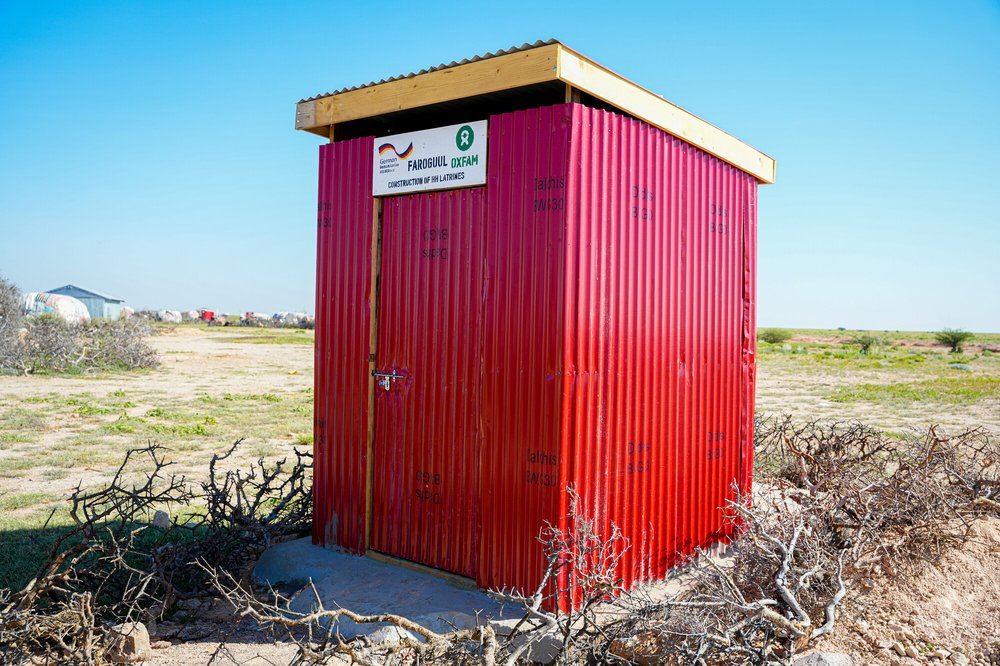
(435, 159)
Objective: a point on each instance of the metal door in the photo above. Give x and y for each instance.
(425, 493)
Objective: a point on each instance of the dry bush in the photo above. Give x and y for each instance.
(52, 344)
(49, 343)
(835, 506)
(782, 446)
(892, 499)
(112, 565)
(11, 324)
(116, 345)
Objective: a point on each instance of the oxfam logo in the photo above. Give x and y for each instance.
(464, 137)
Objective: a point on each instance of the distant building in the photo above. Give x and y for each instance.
(98, 304)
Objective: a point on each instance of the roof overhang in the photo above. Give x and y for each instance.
(548, 63)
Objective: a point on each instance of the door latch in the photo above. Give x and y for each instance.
(384, 379)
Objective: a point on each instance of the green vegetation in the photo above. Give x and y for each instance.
(840, 336)
(16, 501)
(95, 429)
(774, 335)
(269, 397)
(943, 390)
(20, 419)
(868, 343)
(273, 337)
(953, 338)
(15, 438)
(858, 351)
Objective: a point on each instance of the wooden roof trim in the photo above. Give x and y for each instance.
(553, 62)
(513, 70)
(600, 82)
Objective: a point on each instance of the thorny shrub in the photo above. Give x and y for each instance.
(835, 505)
(774, 335)
(11, 325)
(54, 345)
(113, 564)
(867, 342)
(953, 338)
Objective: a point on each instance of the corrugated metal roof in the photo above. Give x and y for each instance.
(486, 56)
(89, 291)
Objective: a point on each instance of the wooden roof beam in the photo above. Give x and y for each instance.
(584, 74)
(505, 72)
(553, 62)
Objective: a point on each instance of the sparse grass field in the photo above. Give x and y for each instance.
(910, 381)
(222, 383)
(59, 431)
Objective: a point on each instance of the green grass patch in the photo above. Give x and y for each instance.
(123, 426)
(25, 543)
(21, 419)
(955, 390)
(40, 398)
(268, 397)
(295, 338)
(17, 501)
(12, 467)
(200, 428)
(161, 413)
(16, 438)
(97, 410)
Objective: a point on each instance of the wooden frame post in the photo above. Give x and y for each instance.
(376, 278)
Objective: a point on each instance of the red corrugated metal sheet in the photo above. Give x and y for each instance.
(522, 352)
(343, 317)
(611, 325)
(427, 429)
(654, 336)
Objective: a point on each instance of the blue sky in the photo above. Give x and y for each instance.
(147, 149)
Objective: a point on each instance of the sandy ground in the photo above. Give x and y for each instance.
(788, 388)
(951, 605)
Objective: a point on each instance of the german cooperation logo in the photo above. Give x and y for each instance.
(386, 147)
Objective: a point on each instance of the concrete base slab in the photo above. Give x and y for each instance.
(367, 587)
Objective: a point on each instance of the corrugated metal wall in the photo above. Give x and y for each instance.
(343, 317)
(616, 353)
(655, 336)
(523, 336)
